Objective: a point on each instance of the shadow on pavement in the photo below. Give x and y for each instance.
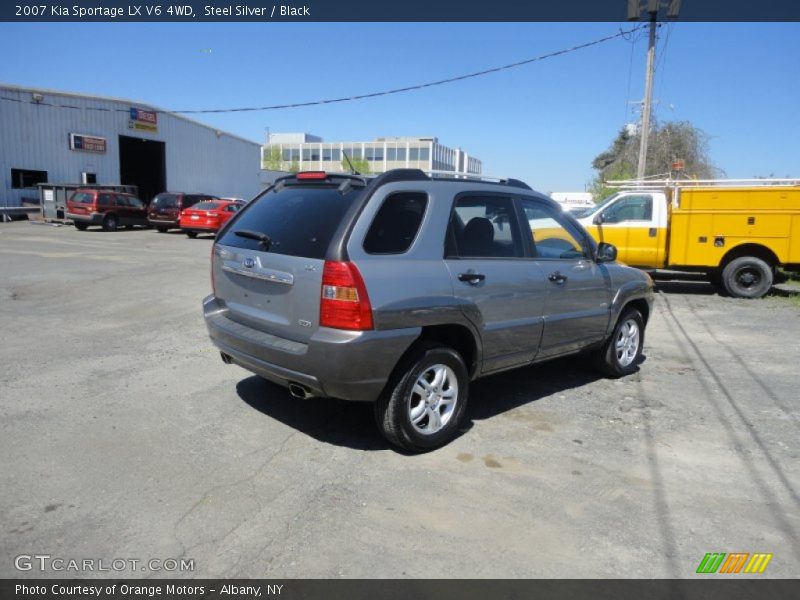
(352, 424)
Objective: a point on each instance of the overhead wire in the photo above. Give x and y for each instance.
(410, 88)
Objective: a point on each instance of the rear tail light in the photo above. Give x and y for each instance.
(344, 303)
(312, 175)
(211, 214)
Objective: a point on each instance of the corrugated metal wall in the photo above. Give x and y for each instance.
(35, 136)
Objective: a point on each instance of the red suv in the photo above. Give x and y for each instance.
(208, 217)
(106, 208)
(165, 209)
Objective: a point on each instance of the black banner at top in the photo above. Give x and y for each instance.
(394, 10)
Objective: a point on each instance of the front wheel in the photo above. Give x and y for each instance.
(191, 234)
(80, 226)
(621, 353)
(424, 405)
(110, 223)
(747, 277)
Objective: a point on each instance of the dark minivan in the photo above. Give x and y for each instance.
(165, 209)
(106, 208)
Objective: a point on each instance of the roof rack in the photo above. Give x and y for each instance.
(638, 184)
(434, 174)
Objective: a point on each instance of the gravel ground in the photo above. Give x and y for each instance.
(123, 435)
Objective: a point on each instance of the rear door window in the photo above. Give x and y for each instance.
(299, 220)
(484, 227)
(396, 224)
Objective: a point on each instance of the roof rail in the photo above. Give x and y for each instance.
(434, 174)
(661, 183)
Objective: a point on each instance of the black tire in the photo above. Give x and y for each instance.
(80, 226)
(609, 359)
(747, 277)
(393, 409)
(110, 223)
(191, 234)
(161, 229)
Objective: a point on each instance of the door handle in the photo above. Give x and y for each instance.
(471, 278)
(557, 277)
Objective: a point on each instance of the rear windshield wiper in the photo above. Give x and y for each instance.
(262, 238)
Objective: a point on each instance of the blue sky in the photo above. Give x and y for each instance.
(542, 123)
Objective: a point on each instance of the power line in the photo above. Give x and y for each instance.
(389, 92)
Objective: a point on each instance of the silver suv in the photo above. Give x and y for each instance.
(401, 289)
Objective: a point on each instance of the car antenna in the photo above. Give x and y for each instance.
(352, 168)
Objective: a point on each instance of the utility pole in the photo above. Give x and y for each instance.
(634, 11)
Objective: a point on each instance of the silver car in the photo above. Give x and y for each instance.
(401, 289)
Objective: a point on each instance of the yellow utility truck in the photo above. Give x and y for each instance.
(736, 231)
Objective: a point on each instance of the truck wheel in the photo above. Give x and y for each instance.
(747, 277)
(424, 404)
(621, 353)
(110, 223)
(80, 226)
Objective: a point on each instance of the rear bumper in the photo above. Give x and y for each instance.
(200, 228)
(162, 222)
(90, 219)
(351, 365)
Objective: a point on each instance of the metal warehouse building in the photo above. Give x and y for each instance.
(49, 136)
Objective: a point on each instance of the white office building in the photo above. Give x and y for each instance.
(305, 152)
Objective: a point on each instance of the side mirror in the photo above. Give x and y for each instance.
(598, 219)
(606, 252)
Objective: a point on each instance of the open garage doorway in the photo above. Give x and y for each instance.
(142, 163)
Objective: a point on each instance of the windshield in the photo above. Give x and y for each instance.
(596, 209)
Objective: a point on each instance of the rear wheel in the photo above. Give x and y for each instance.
(747, 277)
(161, 229)
(110, 223)
(80, 226)
(424, 405)
(191, 234)
(621, 353)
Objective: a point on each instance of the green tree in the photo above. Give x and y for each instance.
(272, 160)
(294, 167)
(667, 143)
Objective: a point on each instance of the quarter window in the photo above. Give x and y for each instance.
(396, 224)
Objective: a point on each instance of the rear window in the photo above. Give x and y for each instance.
(396, 224)
(192, 199)
(207, 205)
(83, 197)
(300, 221)
(165, 201)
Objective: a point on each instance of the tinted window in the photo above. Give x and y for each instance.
(82, 197)
(484, 226)
(104, 199)
(134, 202)
(192, 199)
(118, 200)
(300, 220)
(552, 234)
(165, 201)
(396, 224)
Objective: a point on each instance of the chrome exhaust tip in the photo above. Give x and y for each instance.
(299, 391)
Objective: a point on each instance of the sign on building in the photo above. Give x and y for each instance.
(143, 120)
(87, 143)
